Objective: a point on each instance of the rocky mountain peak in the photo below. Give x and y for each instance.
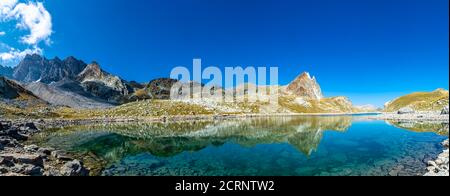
(103, 84)
(37, 68)
(33, 57)
(92, 70)
(441, 90)
(305, 86)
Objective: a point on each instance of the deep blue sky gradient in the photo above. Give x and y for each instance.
(370, 50)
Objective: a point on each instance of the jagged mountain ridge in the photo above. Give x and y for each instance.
(305, 86)
(91, 87)
(37, 68)
(71, 82)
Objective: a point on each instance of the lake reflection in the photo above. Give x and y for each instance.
(333, 145)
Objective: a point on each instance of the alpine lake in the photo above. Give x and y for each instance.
(269, 146)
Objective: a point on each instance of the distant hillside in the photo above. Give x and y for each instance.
(17, 101)
(420, 101)
(10, 90)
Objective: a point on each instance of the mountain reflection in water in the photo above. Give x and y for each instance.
(259, 146)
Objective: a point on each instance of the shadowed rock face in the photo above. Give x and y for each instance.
(305, 86)
(12, 90)
(37, 68)
(6, 71)
(102, 84)
(160, 88)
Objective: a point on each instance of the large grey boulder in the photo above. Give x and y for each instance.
(445, 110)
(74, 168)
(406, 110)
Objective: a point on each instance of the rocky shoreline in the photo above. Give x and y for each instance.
(17, 159)
(419, 116)
(440, 166)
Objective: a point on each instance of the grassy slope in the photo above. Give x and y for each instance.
(147, 108)
(421, 101)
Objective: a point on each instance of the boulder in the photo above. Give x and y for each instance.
(45, 151)
(8, 142)
(61, 156)
(3, 170)
(31, 148)
(14, 133)
(28, 169)
(31, 159)
(406, 110)
(445, 143)
(6, 161)
(74, 168)
(445, 110)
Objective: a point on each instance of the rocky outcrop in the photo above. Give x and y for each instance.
(160, 88)
(406, 110)
(19, 160)
(102, 84)
(37, 68)
(445, 110)
(305, 86)
(439, 167)
(74, 168)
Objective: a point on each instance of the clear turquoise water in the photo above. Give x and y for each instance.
(294, 146)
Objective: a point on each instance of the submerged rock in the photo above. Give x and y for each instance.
(19, 160)
(440, 166)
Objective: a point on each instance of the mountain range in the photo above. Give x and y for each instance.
(69, 82)
(75, 84)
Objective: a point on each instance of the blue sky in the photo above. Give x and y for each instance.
(371, 50)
